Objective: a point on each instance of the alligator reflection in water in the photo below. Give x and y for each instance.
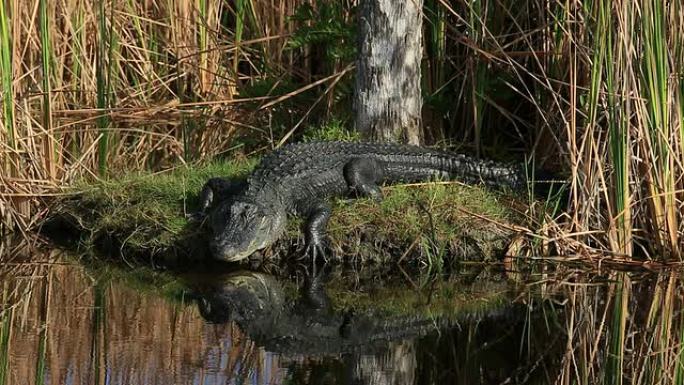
(309, 325)
(375, 347)
(76, 324)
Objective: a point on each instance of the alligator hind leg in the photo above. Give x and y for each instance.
(315, 230)
(215, 190)
(362, 176)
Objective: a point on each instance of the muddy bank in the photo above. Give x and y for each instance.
(144, 215)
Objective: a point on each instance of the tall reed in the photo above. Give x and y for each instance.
(50, 145)
(7, 76)
(103, 75)
(115, 79)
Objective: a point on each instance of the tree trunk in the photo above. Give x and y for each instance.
(388, 99)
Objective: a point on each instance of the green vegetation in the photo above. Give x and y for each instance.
(334, 129)
(430, 220)
(143, 212)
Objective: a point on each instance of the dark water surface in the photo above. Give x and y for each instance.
(68, 321)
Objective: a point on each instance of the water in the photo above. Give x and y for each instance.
(66, 321)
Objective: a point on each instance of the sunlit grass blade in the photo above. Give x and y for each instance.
(6, 73)
(50, 143)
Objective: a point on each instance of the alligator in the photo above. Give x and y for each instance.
(298, 179)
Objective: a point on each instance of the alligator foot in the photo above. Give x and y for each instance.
(315, 251)
(315, 230)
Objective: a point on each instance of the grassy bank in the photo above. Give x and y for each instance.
(144, 214)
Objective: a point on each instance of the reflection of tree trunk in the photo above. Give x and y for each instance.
(388, 99)
(397, 366)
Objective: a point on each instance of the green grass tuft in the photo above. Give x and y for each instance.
(143, 211)
(335, 129)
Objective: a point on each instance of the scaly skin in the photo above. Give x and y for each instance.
(298, 179)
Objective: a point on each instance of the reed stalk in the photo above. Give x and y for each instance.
(612, 63)
(101, 72)
(240, 14)
(6, 73)
(203, 45)
(50, 143)
(477, 24)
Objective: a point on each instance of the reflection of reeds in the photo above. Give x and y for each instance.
(62, 322)
(5, 320)
(43, 322)
(615, 352)
(625, 331)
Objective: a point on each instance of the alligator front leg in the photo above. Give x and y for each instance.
(215, 190)
(362, 176)
(315, 230)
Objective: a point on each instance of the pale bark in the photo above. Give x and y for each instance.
(388, 99)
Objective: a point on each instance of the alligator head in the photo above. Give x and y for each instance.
(240, 228)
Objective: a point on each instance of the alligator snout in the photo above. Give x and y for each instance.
(223, 252)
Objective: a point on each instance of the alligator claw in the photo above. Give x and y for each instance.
(196, 216)
(315, 250)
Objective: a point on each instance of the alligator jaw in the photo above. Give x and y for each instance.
(228, 254)
(243, 236)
